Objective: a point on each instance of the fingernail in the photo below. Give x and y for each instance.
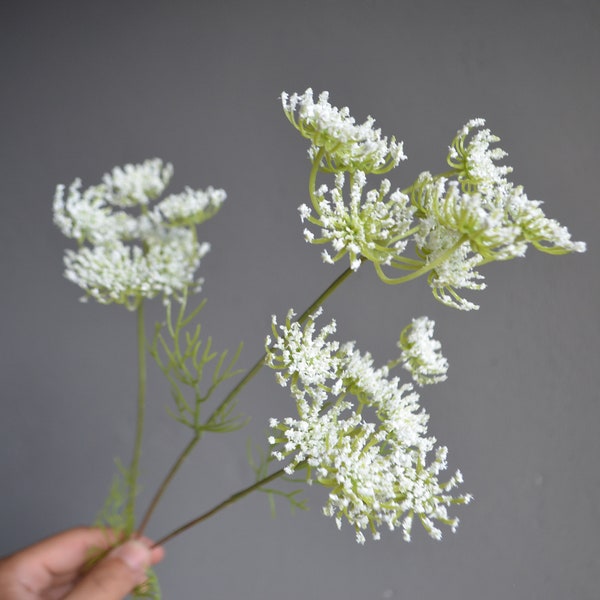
(134, 554)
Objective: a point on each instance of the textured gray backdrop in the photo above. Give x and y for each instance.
(89, 85)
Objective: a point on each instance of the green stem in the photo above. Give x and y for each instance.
(141, 409)
(233, 498)
(229, 398)
(165, 483)
(261, 361)
(446, 174)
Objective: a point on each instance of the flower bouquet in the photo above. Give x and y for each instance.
(355, 428)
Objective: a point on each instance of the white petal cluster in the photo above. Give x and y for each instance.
(124, 257)
(307, 360)
(375, 470)
(474, 160)
(545, 234)
(456, 222)
(458, 231)
(134, 185)
(345, 144)
(123, 274)
(87, 216)
(421, 353)
(372, 225)
(191, 207)
(506, 218)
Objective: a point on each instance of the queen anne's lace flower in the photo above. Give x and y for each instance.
(344, 144)
(456, 225)
(124, 257)
(376, 471)
(501, 214)
(459, 231)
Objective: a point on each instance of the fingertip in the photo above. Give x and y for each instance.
(157, 554)
(135, 554)
(116, 574)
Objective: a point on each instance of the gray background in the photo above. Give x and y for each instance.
(89, 85)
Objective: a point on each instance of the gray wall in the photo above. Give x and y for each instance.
(89, 85)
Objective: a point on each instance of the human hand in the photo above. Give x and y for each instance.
(54, 569)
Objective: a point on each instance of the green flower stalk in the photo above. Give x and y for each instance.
(130, 251)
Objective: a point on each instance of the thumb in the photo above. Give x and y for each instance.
(116, 575)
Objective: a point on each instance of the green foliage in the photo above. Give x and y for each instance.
(119, 523)
(260, 466)
(114, 514)
(183, 357)
(150, 589)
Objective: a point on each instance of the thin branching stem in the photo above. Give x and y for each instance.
(227, 400)
(261, 361)
(233, 498)
(141, 409)
(165, 483)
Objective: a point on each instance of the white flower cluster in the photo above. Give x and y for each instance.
(374, 228)
(421, 353)
(343, 143)
(479, 218)
(376, 471)
(134, 185)
(125, 257)
(192, 207)
(460, 230)
(458, 221)
(474, 160)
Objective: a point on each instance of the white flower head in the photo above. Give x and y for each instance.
(374, 469)
(345, 145)
(124, 257)
(459, 230)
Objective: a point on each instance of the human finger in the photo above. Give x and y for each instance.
(57, 560)
(115, 575)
